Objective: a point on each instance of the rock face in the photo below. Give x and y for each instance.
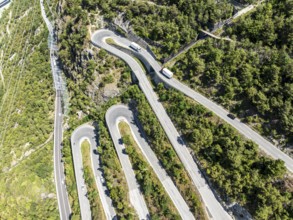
(90, 53)
(89, 70)
(110, 94)
(48, 196)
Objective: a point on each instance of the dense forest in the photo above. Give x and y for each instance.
(270, 25)
(169, 24)
(234, 165)
(175, 23)
(252, 77)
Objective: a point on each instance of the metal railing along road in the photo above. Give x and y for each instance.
(3, 3)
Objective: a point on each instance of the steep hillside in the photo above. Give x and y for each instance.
(26, 110)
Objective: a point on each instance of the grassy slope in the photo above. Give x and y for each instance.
(93, 194)
(26, 112)
(28, 191)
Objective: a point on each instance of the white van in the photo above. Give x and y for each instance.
(167, 73)
(135, 46)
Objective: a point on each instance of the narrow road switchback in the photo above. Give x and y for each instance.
(135, 195)
(87, 132)
(118, 113)
(213, 206)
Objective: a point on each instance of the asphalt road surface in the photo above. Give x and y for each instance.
(265, 145)
(87, 132)
(63, 202)
(62, 196)
(120, 113)
(136, 198)
(214, 208)
(84, 203)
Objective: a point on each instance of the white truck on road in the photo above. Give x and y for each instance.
(135, 46)
(167, 73)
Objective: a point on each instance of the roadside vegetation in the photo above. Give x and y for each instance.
(114, 175)
(163, 149)
(97, 210)
(234, 165)
(252, 78)
(247, 1)
(159, 204)
(27, 189)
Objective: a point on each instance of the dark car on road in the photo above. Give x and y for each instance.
(95, 151)
(231, 116)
